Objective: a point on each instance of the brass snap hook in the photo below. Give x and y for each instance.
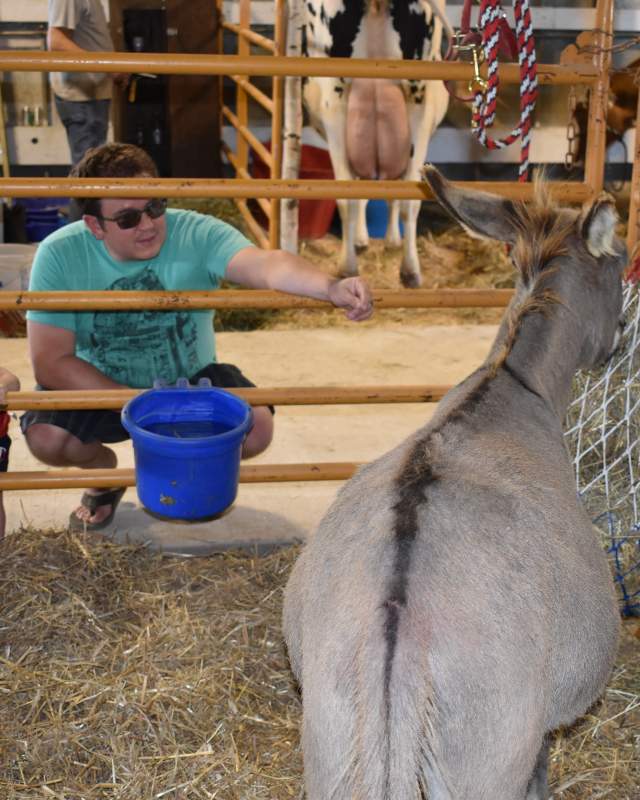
(477, 83)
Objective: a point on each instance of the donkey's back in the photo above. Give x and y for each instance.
(454, 606)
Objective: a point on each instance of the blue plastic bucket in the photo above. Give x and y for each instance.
(187, 443)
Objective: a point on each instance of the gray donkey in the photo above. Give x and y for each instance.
(455, 606)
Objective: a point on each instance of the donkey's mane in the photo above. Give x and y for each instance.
(542, 232)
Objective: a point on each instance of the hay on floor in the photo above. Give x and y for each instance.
(129, 676)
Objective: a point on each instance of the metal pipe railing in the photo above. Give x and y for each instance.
(245, 133)
(114, 399)
(251, 65)
(249, 298)
(98, 478)
(563, 191)
(251, 36)
(256, 94)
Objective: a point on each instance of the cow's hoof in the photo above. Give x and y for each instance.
(361, 248)
(345, 273)
(410, 280)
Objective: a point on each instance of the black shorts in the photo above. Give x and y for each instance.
(5, 446)
(103, 425)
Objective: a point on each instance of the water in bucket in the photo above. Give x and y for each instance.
(187, 444)
(189, 430)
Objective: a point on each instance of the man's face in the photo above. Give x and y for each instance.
(139, 243)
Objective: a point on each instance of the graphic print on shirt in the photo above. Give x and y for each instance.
(134, 348)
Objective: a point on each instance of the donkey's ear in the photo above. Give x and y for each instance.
(597, 225)
(481, 213)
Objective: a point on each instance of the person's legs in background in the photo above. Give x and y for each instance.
(87, 124)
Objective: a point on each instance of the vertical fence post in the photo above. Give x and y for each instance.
(292, 120)
(4, 149)
(599, 98)
(276, 121)
(633, 228)
(220, 49)
(242, 101)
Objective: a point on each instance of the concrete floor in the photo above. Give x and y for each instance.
(267, 515)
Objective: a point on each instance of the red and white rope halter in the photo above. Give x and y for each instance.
(491, 18)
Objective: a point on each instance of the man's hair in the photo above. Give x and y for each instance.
(111, 161)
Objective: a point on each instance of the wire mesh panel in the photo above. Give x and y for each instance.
(603, 429)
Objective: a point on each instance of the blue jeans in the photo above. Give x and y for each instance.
(86, 123)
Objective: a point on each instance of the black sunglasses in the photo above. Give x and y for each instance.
(130, 217)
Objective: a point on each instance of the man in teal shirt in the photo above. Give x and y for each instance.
(137, 244)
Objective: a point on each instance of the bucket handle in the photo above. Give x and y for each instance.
(181, 383)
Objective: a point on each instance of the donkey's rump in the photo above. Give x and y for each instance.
(473, 579)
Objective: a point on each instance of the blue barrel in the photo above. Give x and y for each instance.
(187, 443)
(377, 216)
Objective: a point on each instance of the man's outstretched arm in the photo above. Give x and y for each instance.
(286, 272)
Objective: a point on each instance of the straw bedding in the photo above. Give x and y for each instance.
(127, 675)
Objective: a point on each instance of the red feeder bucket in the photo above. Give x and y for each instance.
(314, 216)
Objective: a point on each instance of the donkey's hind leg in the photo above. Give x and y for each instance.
(538, 788)
(507, 764)
(327, 741)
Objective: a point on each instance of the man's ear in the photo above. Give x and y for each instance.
(94, 225)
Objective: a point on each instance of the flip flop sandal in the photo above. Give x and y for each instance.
(92, 502)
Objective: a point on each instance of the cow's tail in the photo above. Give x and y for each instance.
(395, 708)
(437, 7)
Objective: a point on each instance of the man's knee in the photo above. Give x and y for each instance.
(48, 443)
(261, 434)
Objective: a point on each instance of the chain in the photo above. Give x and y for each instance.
(572, 131)
(616, 48)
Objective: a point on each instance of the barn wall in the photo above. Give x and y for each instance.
(556, 23)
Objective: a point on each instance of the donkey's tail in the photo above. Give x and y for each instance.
(395, 708)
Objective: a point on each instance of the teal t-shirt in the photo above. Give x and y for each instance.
(136, 347)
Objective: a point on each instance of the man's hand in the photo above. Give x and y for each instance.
(353, 295)
(288, 272)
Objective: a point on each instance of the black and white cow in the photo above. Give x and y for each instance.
(375, 128)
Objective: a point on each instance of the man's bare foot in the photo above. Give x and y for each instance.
(96, 510)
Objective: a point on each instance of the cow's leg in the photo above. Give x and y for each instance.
(362, 234)
(393, 237)
(410, 266)
(426, 110)
(348, 210)
(326, 101)
(334, 119)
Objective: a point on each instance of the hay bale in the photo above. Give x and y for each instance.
(603, 434)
